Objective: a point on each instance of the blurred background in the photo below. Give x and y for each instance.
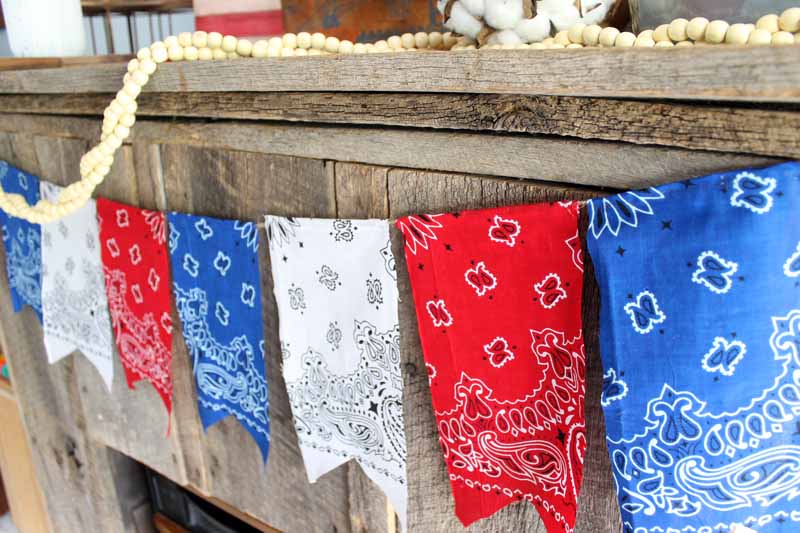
(123, 26)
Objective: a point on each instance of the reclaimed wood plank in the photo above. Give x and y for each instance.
(430, 499)
(698, 126)
(579, 162)
(708, 73)
(246, 186)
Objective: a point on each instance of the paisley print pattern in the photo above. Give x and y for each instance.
(342, 355)
(700, 285)
(137, 285)
(500, 326)
(74, 302)
(22, 241)
(219, 304)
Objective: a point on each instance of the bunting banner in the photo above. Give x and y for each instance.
(498, 300)
(23, 242)
(217, 286)
(335, 285)
(700, 329)
(74, 303)
(136, 271)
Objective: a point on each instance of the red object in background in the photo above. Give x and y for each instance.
(498, 298)
(361, 20)
(242, 18)
(136, 270)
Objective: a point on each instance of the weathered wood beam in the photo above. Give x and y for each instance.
(766, 74)
(695, 126)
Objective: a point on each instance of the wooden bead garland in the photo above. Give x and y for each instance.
(120, 115)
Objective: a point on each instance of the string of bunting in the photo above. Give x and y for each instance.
(700, 338)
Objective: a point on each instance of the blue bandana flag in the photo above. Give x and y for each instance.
(23, 242)
(700, 330)
(218, 296)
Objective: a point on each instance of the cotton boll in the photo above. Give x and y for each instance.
(475, 7)
(503, 14)
(595, 12)
(565, 18)
(534, 30)
(464, 23)
(504, 37)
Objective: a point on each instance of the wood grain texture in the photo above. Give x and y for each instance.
(430, 497)
(592, 163)
(698, 126)
(713, 73)
(246, 186)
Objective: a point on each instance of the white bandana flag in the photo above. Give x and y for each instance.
(74, 301)
(337, 301)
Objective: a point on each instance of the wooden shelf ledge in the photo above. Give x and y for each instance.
(724, 73)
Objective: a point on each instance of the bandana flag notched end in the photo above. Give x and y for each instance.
(498, 300)
(74, 302)
(700, 330)
(217, 286)
(22, 241)
(335, 285)
(136, 271)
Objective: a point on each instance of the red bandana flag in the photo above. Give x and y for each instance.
(136, 268)
(498, 300)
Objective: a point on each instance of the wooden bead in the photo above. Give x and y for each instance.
(608, 36)
(790, 20)
(287, 52)
(122, 131)
(537, 46)
(205, 54)
(760, 37)
(332, 45)
(625, 40)
(769, 23)
(300, 52)
(591, 35)
(448, 40)
(562, 38)
(738, 34)
(140, 78)
(382, 46)
(661, 33)
(435, 40)
(232, 55)
(574, 45)
(185, 39)
(200, 39)
(684, 44)
(260, 48)
(133, 65)
(716, 31)
(346, 47)
(677, 29)
(275, 42)
(781, 38)
(359, 48)
(175, 53)
(127, 120)
(314, 52)
(244, 47)
(408, 40)
(317, 41)
(229, 43)
(394, 42)
(214, 40)
(160, 55)
(190, 53)
(107, 160)
(289, 40)
(421, 40)
(122, 97)
(666, 44)
(644, 41)
(172, 40)
(218, 53)
(304, 40)
(575, 33)
(148, 66)
(143, 53)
